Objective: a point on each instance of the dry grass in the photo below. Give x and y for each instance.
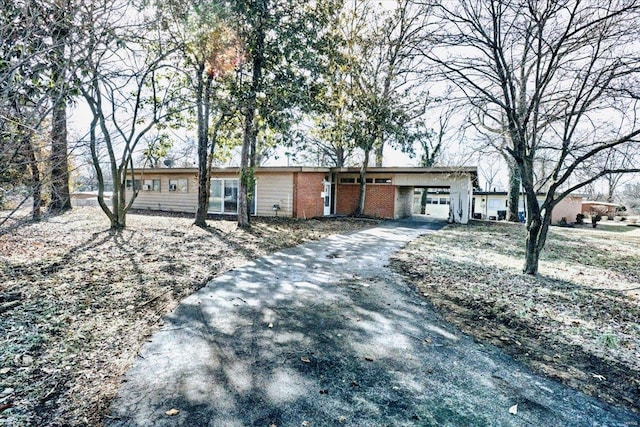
(78, 300)
(578, 321)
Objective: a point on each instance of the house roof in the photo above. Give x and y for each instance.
(268, 169)
(464, 170)
(597, 203)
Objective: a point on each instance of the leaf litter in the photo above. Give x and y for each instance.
(578, 321)
(84, 299)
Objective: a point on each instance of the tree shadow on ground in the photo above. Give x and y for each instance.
(529, 335)
(308, 336)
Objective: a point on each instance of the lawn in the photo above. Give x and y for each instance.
(578, 321)
(77, 300)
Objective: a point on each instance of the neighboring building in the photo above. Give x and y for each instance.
(592, 208)
(304, 192)
(493, 205)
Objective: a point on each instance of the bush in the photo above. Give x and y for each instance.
(580, 219)
(595, 219)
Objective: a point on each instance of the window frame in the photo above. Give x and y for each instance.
(182, 185)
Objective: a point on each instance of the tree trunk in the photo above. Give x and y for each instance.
(246, 174)
(513, 199)
(248, 155)
(363, 184)
(59, 158)
(537, 223)
(340, 156)
(36, 182)
(60, 197)
(379, 154)
(203, 106)
(532, 255)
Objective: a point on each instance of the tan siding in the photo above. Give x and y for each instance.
(568, 208)
(275, 189)
(165, 200)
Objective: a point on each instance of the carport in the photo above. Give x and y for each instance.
(391, 191)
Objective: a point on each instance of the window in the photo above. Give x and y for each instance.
(494, 204)
(434, 190)
(136, 184)
(444, 201)
(382, 180)
(367, 180)
(347, 180)
(151, 185)
(223, 196)
(180, 185)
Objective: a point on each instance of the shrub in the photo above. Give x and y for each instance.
(580, 218)
(595, 219)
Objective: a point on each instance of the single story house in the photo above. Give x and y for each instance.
(306, 192)
(592, 208)
(493, 205)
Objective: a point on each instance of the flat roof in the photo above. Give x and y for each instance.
(267, 169)
(473, 170)
(411, 169)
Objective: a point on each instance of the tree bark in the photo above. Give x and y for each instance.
(36, 182)
(537, 223)
(248, 155)
(59, 158)
(379, 154)
(60, 194)
(203, 107)
(513, 199)
(363, 184)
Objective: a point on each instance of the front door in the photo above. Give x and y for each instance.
(327, 198)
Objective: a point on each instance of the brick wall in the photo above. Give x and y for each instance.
(307, 188)
(378, 202)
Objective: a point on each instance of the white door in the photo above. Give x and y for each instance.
(327, 198)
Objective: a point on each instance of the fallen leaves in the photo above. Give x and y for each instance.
(172, 412)
(554, 321)
(81, 299)
(513, 410)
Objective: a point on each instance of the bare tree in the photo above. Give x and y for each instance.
(121, 85)
(561, 74)
(386, 96)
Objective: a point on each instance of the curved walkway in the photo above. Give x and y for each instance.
(325, 334)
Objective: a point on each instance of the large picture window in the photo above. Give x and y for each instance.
(223, 197)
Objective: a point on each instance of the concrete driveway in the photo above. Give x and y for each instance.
(325, 334)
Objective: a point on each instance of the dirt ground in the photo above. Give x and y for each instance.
(577, 322)
(78, 300)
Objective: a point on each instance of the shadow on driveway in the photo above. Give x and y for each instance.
(325, 334)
